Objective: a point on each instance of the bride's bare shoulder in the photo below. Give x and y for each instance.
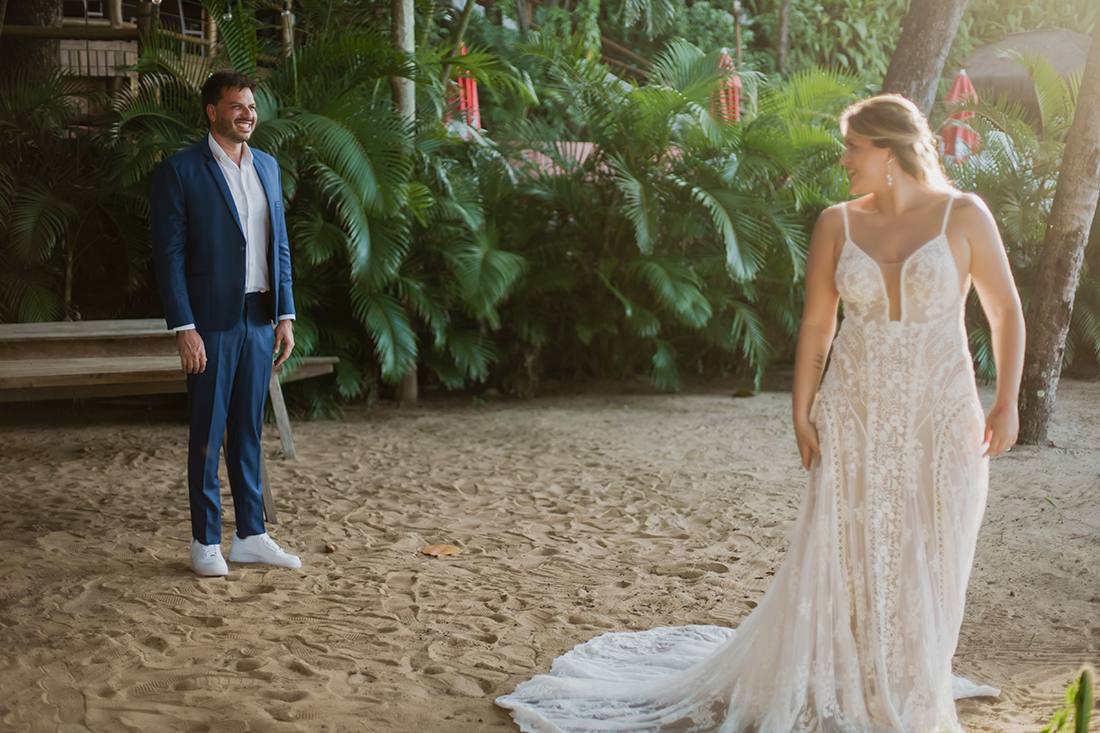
(970, 205)
(830, 224)
(970, 214)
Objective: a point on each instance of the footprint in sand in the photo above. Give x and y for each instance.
(689, 571)
(401, 582)
(408, 616)
(61, 693)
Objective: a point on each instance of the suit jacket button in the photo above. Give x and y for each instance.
(242, 249)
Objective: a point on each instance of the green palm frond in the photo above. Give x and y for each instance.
(472, 352)
(490, 71)
(677, 288)
(485, 274)
(370, 163)
(28, 296)
(351, 216)
(641, 204)
(340, 71)
(685, 68)
(814, 96)
(237, 28)
(666, 373)
(316, 240)
(746, 333)
(650, 16)
(388, 324)
(427, 299)
(37, 222)
(1056, 99)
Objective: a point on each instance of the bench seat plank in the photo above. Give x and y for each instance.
(40, 373)
(79, 330)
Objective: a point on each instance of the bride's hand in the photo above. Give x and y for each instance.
(1001, 426)
(806, 435)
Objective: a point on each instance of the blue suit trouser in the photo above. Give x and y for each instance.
(227, 400)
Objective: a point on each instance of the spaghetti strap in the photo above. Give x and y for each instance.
(847, 233)
(946, 214)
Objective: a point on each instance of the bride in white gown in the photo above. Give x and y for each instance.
(857, 631)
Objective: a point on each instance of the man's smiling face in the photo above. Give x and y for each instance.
(234, 116)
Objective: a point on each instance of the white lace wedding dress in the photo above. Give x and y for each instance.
(857, 631)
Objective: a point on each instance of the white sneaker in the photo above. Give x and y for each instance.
(261, 548)
(207, 559)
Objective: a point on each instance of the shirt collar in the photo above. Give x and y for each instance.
(219, 154)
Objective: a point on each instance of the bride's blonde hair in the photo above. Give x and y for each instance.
(892, 121)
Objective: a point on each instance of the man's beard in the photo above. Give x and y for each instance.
(228, 130)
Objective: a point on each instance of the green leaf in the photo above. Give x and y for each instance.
(677, 288)
(666, 375)
(389, 326)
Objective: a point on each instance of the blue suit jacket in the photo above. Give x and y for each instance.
(198, 242)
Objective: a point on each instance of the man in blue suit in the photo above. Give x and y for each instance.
(223, 265)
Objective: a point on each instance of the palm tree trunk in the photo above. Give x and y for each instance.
(1071, 216)
(404, 101)
(917, 62)
(35, 55)
(781, 48)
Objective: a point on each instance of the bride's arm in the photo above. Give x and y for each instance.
(815, 334)
(992, 277)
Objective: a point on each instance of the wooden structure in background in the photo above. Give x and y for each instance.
(73, 359)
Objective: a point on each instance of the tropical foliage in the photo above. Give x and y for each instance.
(851, 35)
(358, 182)
(70, 238)
(1016, 173)
(657, 236)
(607, 228)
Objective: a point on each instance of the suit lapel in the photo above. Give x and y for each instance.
(271, 188)
(270, 182)
(219, 178)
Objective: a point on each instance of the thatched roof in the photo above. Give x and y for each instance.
(1065, 49)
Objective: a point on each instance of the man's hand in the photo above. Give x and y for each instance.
(192, 351)
(284, 340)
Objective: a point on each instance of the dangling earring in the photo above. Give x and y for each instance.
(889, 178)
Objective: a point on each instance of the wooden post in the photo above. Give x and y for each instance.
(287, 24)
(148, 16)
(114, 13)
(211, 27)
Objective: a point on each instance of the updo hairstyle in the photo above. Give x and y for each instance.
(892, 121)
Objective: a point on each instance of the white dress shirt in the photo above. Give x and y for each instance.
(251, 202)
(248, 195)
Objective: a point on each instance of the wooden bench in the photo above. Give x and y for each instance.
(72, 359)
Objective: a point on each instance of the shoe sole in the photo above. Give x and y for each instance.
(251, 559)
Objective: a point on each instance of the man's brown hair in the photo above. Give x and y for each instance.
(218, 82)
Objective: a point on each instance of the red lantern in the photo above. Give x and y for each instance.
(961, 90)
(725, 105)
(465, 97)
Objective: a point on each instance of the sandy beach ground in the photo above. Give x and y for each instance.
(577, 514)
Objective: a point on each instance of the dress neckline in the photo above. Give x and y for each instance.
(942, 235)
(901, 275)
(848, 240)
